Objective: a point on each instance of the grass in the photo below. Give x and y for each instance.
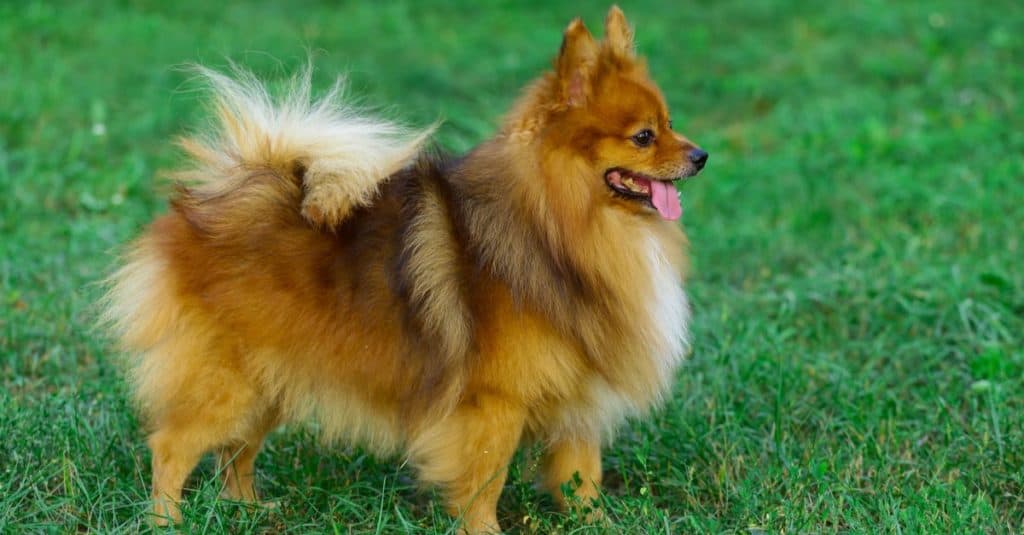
(858, 284)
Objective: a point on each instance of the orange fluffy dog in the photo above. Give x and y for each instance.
(318, 265)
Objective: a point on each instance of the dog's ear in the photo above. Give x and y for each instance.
(575, 63)
(618, 36)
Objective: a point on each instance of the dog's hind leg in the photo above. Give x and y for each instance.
(205, 407)
(237, 460)
(174, 458)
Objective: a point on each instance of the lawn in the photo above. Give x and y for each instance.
(858, 281)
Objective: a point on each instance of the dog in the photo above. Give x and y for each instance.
(318, 263)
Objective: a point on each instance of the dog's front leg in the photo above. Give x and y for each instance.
(574, 464)
(468, 454)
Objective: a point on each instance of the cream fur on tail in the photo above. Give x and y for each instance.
(345, 154)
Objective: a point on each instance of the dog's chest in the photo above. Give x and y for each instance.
(662, 341)
(668, 311)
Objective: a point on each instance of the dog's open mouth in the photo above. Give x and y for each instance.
(658, 194)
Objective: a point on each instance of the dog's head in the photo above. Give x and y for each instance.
(609, 137)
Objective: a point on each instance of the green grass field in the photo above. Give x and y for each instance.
(858, 280)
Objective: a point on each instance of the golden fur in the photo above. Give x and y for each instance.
(318, 264)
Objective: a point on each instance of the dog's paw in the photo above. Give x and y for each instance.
(164, 512)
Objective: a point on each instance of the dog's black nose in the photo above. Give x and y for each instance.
(698, 157)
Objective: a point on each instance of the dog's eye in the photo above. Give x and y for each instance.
(643, 138)
(670, 124)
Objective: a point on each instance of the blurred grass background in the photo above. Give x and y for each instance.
(858, 286)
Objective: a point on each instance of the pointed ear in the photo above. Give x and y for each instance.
(618, 36)
(575, 63)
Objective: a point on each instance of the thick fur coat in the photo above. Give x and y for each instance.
(320, 264)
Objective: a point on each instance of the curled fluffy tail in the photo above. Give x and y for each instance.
(340, 155)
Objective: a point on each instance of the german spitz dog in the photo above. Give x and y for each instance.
(322, 264)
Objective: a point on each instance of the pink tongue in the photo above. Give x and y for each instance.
(664, 198)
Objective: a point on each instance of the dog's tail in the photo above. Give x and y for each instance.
(338, 155)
